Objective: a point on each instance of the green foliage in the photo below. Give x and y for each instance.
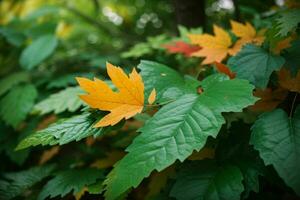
(38, 51)
(207, 181)
(288, 21)
(194, 142)
(146, 48)
(7, 83)
(14, 184)
(277, 136)
(17, 104)
(177, 130)
(156, 75)
(65, 100)
(292, 57)
(72, 180)
(255, 64)
(64, 131)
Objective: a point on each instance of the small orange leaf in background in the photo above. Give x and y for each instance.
(48, 154)
(125, 103)
(246, 33)
(288, 82)
(152, 97)
(181, 47)
(204, 153)
(111, 158)
(283, 44)
(269, 99)
(158, 181)
(224, 70)
(214, 48)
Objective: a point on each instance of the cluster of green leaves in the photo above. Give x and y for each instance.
(201, 140)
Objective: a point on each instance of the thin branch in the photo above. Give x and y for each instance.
(293, 104)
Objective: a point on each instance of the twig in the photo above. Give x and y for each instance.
(293, 104)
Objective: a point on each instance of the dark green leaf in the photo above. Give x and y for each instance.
(65, 100)
(8, 82)
(64, 131)
(204, 180)
(292, 57)
(73, 180)
(13, 36)
(38, 51)
(14, 184)
(178, 129)
(255, 64)
(277, 137)
(288, 21)
(15, 106)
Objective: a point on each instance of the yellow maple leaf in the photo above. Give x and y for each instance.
(124, 103)
(247, 34)
(213, 48)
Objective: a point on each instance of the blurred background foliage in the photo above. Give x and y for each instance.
(44, 44)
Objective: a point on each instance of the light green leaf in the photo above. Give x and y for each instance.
(203, 180)
(8, 82)
(64, 131)
(288, 21)
(38, 51)
(178, 129)
(67, 80)
(15, 106)
(15, 183)
(277, 138)
(163, 78)
(255, 64)
(72, 180)
(65, 100)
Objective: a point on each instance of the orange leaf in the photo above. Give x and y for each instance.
(125, 103)
(283, 44)
(224, 70)
(48, 154)
(288, 82)
(204, 153)
(214, 48)
(152, 97)
(111, 158)
(181, 47)
(246, 33)
(270, 99)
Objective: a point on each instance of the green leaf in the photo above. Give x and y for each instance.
(67, 80)
(255, 64)
(72, 180)
(13, 36)
(14, 184)
(145, 48)
(277, 137)
(64, 131)
(292, 57)
(178, 129)
(8, 82)
(288, 21)
(38, 51)
(163, 78)
(15, 106)
(65, 100)
(204, 180)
